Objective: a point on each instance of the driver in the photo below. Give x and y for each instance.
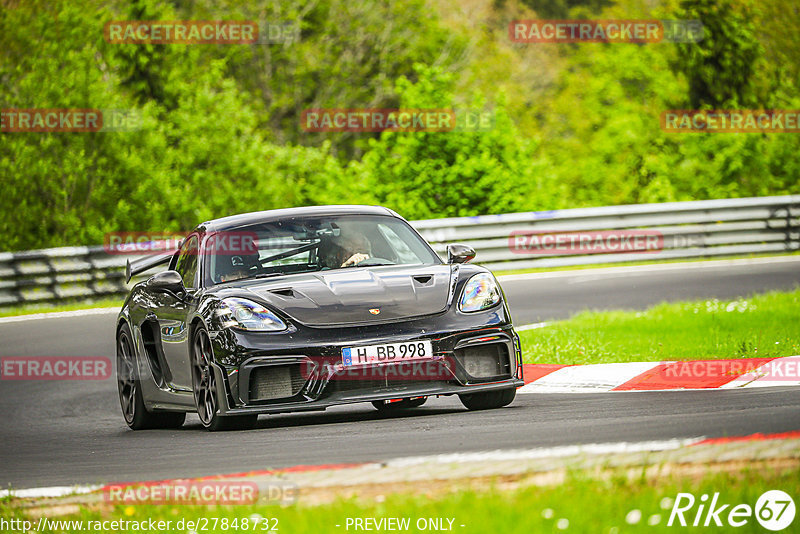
(355, 247)
(232, 268)
(348, 249)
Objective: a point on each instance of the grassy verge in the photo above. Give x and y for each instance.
(760, 326)
(60, 307)
(499, 272)
(609, 504)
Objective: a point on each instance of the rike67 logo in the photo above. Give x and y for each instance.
(774, 510)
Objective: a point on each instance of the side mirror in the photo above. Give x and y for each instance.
(166, 280)
(458, 253)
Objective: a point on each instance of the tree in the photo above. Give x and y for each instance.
(454, 173)
(722, 68)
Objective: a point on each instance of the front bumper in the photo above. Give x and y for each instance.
(410, 391)
(315, 379)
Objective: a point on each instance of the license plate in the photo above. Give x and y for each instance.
(387, 353)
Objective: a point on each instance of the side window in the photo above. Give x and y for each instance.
(187, 261)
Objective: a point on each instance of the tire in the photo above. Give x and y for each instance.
(206, 393)
(488, 400)
(405, 404)
(136, 414)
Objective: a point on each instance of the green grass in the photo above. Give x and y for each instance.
(500, 272)
(60, 307)
(764, 325)
(607, 504)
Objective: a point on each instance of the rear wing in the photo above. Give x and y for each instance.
(135, 267)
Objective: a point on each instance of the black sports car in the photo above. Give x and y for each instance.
(305, 308)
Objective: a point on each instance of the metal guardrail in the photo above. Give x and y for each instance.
(706, 228)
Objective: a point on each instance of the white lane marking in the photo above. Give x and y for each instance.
(643, 269)
(53, 491)
(467, 457)
(783, 371)
(550, 452)
(587, 378)
(533, 326)
(58, 315)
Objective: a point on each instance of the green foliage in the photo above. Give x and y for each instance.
(604, 120)
(721, 68)
(604, 128)
(349, 55)
(457, 173)
(197, 155)
(560, 9)
(574, 125)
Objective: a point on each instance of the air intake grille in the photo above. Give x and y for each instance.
(275, 382)
(485, 361)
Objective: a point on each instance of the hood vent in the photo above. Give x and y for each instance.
(286, 293)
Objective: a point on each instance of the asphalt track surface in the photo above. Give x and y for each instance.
(64, 433)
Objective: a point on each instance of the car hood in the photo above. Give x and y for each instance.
(359, 296)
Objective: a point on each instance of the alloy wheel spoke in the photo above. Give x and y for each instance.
(126, 377)
(204, 387)
(126, 404)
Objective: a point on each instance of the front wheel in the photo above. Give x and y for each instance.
(206, 392)
(130, 390)
(489, 399)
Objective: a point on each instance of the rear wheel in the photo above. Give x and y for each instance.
(206, 392)
(396, 405)
(489, 399)
(130, 390)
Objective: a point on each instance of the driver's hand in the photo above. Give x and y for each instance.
(355, 259)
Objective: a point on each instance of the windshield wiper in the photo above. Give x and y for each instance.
(372, 262)
(254, 277)
(267, 275)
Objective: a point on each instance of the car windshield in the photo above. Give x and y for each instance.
(308, 244)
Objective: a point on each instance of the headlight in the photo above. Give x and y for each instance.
(481, 292)
(248, 315)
